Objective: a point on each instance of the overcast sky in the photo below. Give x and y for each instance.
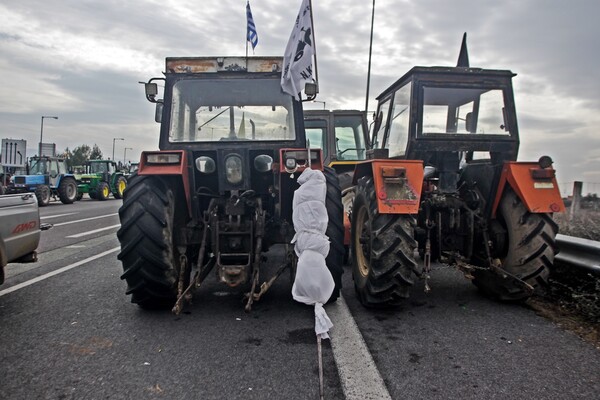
(81, 60)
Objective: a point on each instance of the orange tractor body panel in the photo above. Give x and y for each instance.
(398, 184)
(535, 186)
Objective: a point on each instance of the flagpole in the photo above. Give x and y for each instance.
(312, 21)
(247, 38)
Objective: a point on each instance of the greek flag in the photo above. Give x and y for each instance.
(252, 35)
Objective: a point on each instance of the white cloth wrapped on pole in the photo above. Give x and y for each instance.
(313, 284)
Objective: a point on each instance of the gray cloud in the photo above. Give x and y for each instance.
(82, 60)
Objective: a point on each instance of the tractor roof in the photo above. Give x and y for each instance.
(446, 74)
(201, 65)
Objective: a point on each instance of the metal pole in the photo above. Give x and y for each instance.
(42, 132)
(312, 21)
(370, 54)
(125, 154)
(113, 153)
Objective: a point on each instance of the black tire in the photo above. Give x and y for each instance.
(382, 250)
(92, 194)
(102, 191)
(335, 230)
(528, 254)
(120, 185)
(79, 196)
(149, 256)
(67, 190)
(42, 192)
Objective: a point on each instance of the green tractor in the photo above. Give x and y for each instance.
(102, 178)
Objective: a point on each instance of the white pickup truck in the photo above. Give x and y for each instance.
(19, 229)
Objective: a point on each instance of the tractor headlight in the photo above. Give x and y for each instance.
(233, 169)
(290, 163)
(263, 163)
(206, 165)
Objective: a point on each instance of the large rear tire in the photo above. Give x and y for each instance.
(148, 253)
(67, 190)
(335, 230)
(383, 248)
(528, 253)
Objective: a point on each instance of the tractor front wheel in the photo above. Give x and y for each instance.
(382, 250)
(526, 253)
(150, 259)
(42, 193)
(102, 191)
(120, 185)
(67, 190)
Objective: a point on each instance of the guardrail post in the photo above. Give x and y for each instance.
(576, 203)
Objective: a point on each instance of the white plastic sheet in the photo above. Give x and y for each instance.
(313, 284)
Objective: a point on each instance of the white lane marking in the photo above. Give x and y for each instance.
(76, 246)
(58, 215)
(56, 272)
(92, 232)
(358, 373)
(85, 219)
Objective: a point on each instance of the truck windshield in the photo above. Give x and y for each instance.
(204, 110)
(98, 168)
(463, 111)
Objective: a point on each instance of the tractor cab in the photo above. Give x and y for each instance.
(448, 117)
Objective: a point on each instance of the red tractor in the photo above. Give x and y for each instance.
(219, 192)
(442, 179)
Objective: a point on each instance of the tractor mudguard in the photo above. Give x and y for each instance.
(535, 186)
(168, 162)
(397, 183)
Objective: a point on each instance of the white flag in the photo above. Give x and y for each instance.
(297, 59)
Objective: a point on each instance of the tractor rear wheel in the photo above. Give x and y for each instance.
(67, 190)
(335, 230)
(382, 250)
(42, 192)
(102, 191)
(148, 253)
(120, 185)
(528, 252)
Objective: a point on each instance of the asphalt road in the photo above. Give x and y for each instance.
(68, 331)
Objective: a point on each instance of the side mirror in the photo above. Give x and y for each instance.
(158, 112)
(470, 123)
(151, 89)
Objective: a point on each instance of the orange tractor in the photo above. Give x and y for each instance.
(442, 179)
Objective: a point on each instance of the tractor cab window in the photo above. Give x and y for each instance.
(97, 168)
(316, 133)
(206, 110)
(397, 137)
(350, 138)
(382, 112)
(38, 167)
(463, 111)
(62, 167)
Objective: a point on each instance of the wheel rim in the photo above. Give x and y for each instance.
(121, 186)
(105, 191)
(363, 241)
(72, 191)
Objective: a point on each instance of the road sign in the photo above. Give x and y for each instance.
(13, 153)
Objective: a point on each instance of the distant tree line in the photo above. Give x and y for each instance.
(80, 154)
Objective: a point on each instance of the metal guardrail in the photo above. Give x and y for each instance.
(578, 252)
